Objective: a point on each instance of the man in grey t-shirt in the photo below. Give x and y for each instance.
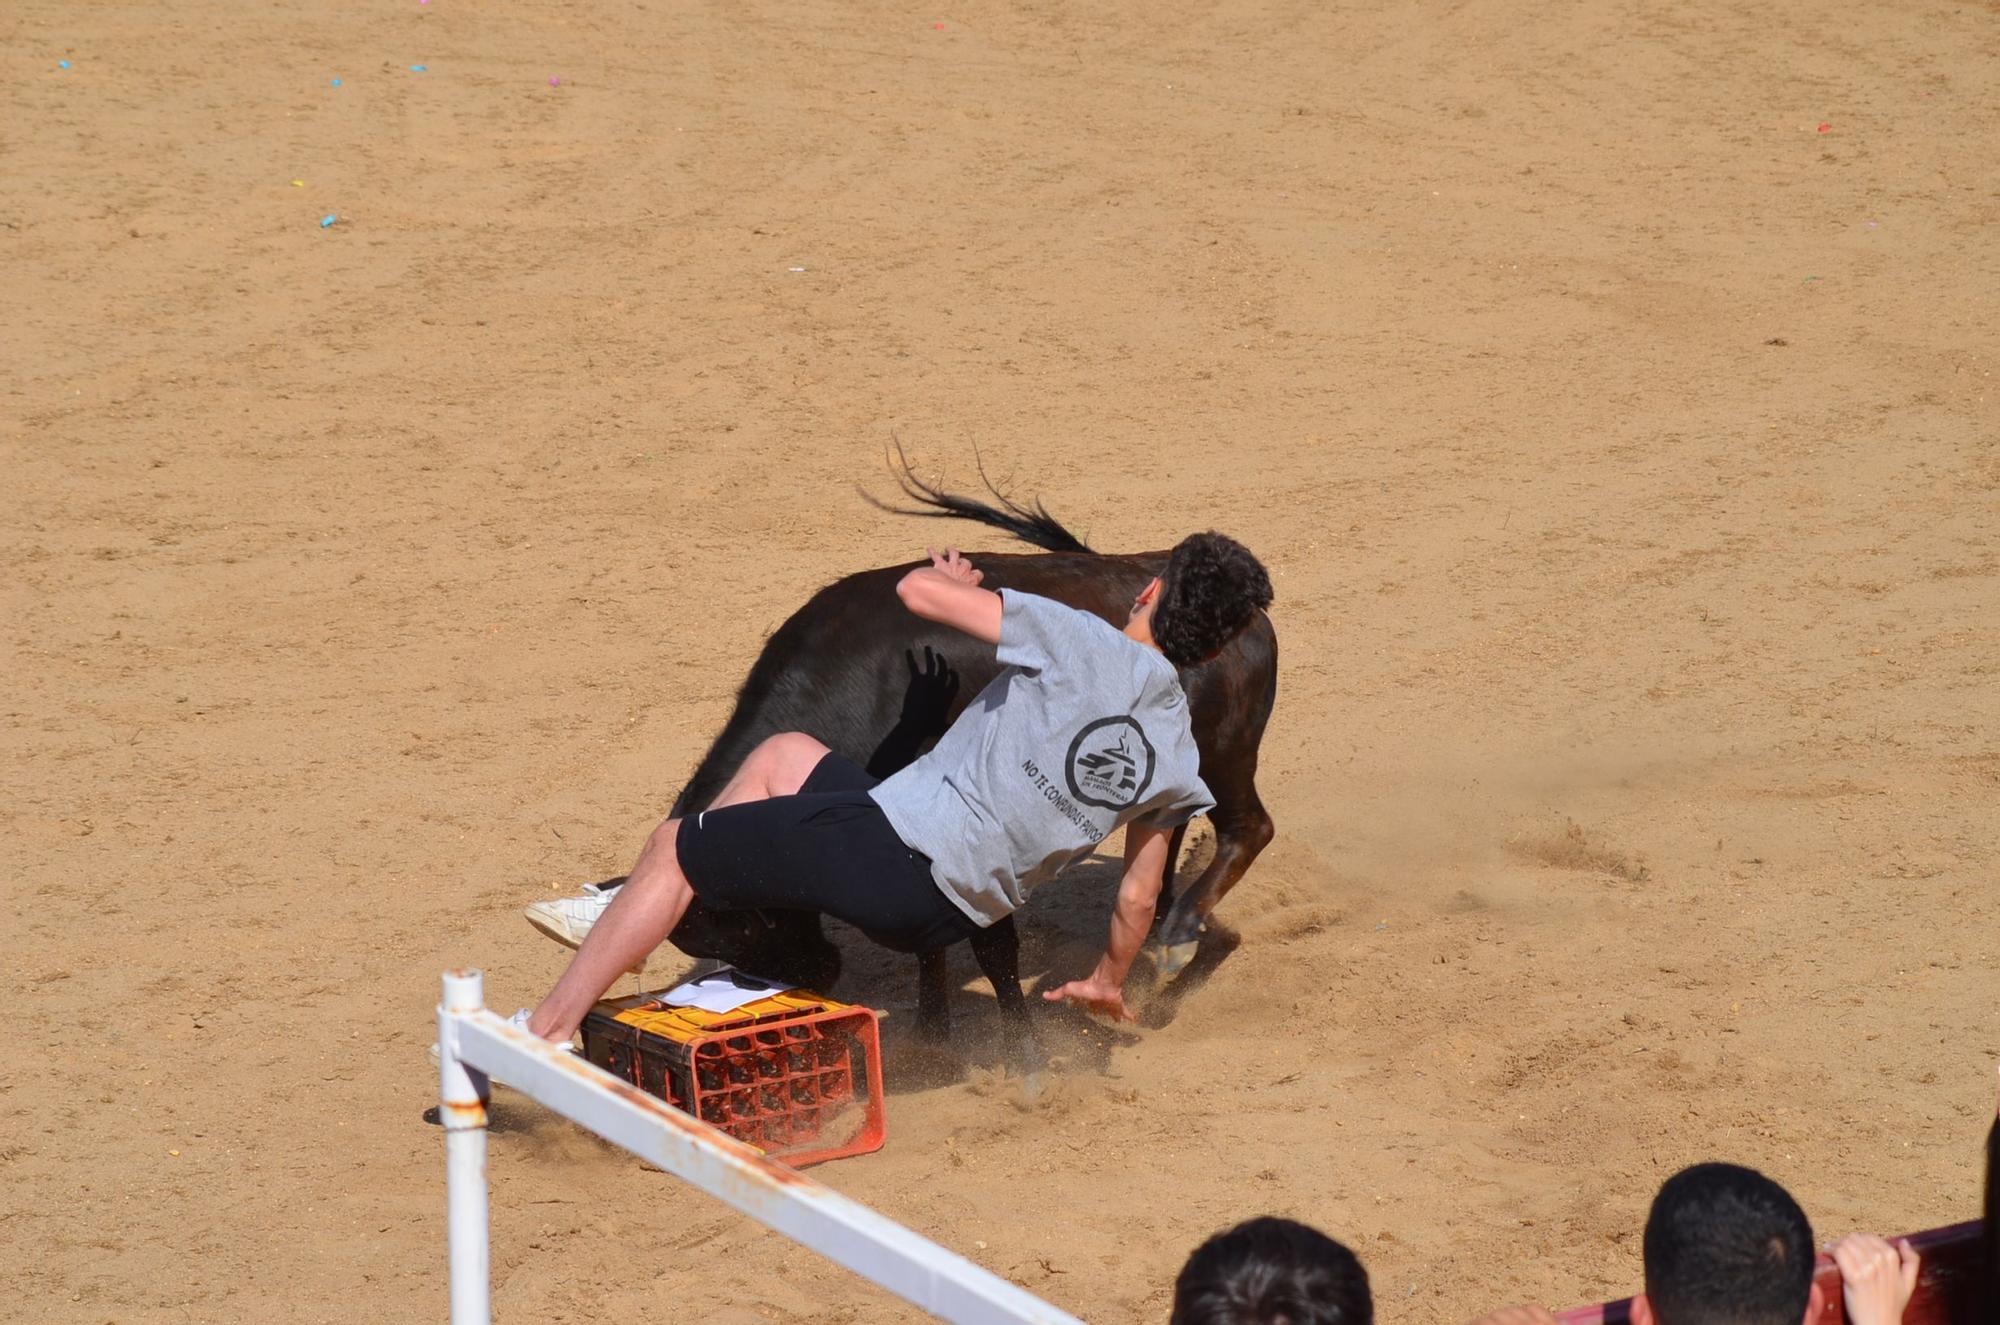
(1084, 731)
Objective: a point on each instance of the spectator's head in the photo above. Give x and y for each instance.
(1210, 589)
(1272, 1272)
(1726, 1246)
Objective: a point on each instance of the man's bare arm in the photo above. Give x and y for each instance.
(1138, 894)
(947, 591)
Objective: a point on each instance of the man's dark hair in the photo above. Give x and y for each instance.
(1727, 1246)
(1210, 589)
(1272, 1272)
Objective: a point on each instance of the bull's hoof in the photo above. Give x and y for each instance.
(932, 1028)
(1027, 1067)
(1173, 958)
(1027, 1056)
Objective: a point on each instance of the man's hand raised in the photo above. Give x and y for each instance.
(947, 591)
(1100, 996)
(956, 566)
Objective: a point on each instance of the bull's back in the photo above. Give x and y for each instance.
(840, 668)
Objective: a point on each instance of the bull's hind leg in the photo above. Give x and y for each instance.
(1164, 903)
(1242, 830)
(997, 949)
(933, 996)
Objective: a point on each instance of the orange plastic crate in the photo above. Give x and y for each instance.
(797, 1075)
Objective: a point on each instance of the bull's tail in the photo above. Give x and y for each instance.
(1031, 524)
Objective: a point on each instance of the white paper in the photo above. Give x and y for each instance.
(722, 991)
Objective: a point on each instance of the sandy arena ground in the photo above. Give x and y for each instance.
(1609, 387)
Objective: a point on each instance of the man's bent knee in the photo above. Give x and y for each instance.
(661, 852)
(786, 760)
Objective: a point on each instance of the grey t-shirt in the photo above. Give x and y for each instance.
(1083, 731)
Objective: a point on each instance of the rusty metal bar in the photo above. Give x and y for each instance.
(462, 1095)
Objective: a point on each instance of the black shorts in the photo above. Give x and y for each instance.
(828, 849)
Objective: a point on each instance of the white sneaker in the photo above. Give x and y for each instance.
(567, 920)
(520, 1019)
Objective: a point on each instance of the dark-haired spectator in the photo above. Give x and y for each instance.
(1725, 1245)
(1272, 1272)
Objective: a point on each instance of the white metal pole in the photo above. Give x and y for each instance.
(899, 1259)
(462, 1096)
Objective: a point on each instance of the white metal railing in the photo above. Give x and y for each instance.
(475, 1045)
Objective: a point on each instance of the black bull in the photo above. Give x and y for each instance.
(858, 671)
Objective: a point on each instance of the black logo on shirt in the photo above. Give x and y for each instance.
(1110, 763)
